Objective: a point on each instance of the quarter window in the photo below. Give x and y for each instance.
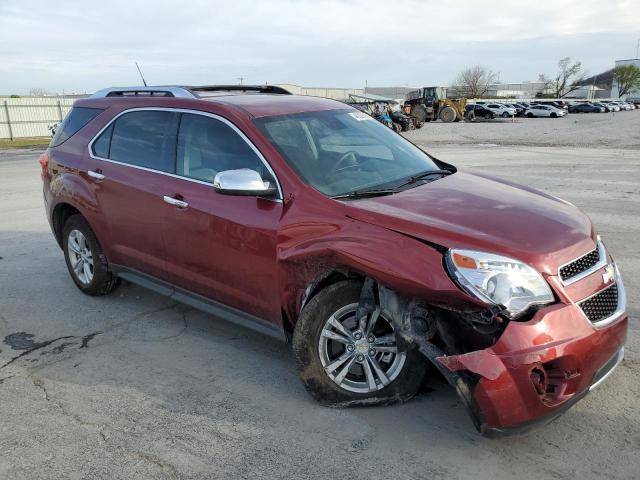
(77, 118)
(207, 146)
(145, 139)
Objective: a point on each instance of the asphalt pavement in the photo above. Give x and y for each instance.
(133, 385)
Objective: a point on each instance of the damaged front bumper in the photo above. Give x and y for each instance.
(536, 370)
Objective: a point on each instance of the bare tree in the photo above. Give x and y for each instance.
(567, 79)
(38, 92)
(627, 77)
(475, 81)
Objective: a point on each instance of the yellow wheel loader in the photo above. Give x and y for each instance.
(431, 103)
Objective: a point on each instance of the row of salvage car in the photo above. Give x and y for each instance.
(431, 103)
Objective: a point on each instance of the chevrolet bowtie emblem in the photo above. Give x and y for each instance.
(608, 274)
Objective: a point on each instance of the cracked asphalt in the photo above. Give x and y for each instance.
(134, 385)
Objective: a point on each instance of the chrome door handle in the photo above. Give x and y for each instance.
(96, 175)
(175, 202)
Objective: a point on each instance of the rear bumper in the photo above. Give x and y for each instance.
(538, 369)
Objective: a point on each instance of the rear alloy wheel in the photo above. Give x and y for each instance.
(344, 362)
(85, 260)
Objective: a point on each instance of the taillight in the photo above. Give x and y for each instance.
(44, 164)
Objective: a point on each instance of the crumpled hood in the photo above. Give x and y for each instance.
(476, 211)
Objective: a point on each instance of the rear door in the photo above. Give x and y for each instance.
(220, 246)
(131, 158)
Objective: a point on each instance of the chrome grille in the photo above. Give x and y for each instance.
(601, 305)
(580, 265)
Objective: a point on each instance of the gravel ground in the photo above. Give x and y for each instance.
(593, 130)
(137, 386)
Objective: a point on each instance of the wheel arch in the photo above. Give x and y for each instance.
(59, 216)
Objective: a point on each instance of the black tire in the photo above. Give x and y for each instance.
(505, 115)
(447, 114)
(553, 115)
(103, 281)
(307, 357)
(488, 116)
(419, 114)
(530, 115)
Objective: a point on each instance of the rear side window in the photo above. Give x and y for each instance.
(145, 139)
(77, 118)
(207, 146)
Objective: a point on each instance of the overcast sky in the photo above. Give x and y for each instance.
(85, 45)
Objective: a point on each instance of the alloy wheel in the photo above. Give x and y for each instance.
(80, 256)
(363, 356)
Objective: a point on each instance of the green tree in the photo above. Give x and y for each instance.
(627, 77)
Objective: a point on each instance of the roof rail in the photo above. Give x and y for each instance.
(240, 88)
(184, 92)
(170, 91)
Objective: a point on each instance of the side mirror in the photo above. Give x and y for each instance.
(244, 182)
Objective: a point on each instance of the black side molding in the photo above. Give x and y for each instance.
(205, 304)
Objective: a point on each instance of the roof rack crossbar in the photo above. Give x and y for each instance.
(178, 92)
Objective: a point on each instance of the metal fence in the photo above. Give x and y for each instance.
(31, 116)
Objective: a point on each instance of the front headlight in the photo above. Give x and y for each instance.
(498, 280)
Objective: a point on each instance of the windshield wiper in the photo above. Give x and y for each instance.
(425, 174)
(365, 193)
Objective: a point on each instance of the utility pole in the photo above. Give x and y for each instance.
(241, 79)
(638, 49)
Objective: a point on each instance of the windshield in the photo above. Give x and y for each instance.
(341, 151)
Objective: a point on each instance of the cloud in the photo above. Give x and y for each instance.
(85, 45)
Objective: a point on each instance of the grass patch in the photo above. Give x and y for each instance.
(24, 142)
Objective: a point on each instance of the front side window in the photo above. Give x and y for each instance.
(143, 138)
(207, 146)
(340, 151)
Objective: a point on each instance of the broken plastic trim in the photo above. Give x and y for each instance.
(414, 326)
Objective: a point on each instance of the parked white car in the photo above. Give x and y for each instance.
(612, 106)
(501, 110)
(544, 111)
(623, 105)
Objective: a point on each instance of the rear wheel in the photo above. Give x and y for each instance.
(505, 115)
(342, 362)
(530, 115)
(447, 114)
(84, 257)
(488, 116)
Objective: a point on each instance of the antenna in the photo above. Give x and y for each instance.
(141, 76)
(241, 79)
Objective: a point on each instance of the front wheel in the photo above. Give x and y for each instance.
(343, 362)
(505, 115)
(530, 115)
(85, 260)
(553, 115)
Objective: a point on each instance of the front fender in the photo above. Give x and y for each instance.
(395, 260)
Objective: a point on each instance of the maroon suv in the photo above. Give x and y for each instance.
(307, 220)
